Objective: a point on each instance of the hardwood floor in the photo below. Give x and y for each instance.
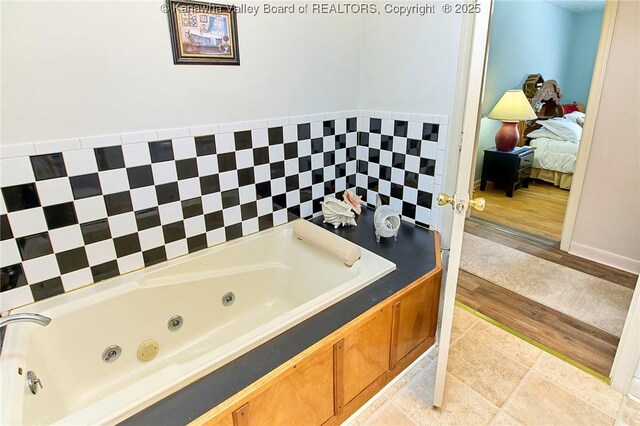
(579, 341)
(537, 210)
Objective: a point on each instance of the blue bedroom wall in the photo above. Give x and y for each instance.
(536, 37)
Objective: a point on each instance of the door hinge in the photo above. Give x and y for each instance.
(460, 141)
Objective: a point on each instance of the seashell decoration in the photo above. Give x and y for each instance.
(386, 221)
(337, 212)
(349, 196)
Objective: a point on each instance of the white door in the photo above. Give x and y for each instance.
(473, 74)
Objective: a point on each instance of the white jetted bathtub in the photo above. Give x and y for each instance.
(276, 280)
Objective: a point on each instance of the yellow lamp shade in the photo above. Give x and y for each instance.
(513, 106)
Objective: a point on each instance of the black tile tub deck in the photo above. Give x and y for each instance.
(414, 256)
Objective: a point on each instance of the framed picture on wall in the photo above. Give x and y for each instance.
(203, 33)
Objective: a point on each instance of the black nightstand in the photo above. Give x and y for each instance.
(507, 169)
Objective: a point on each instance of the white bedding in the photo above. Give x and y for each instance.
(553, 154)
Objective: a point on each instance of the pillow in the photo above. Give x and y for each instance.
(575, 116)
(569, 108)
(543, 133)
(567, 130)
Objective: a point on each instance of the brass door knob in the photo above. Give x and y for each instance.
(478, 204)
(444, 199)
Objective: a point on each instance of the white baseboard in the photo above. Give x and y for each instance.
(476, 184)
(634, 389)
(605, 257)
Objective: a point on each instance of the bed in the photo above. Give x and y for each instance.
(555, 133)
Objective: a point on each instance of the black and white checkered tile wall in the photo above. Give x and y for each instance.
(397, 159)
(77, 217)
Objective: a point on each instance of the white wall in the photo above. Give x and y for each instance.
(607, 226)
(74, 68)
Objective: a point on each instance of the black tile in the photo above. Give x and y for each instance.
(140, 176)
(430, 132)
(396, 191)
(363, 139)
(427, 166)
(317, 176)
(351, 153)
(329, 158)
(249, 210)
(12, 277)
(48, 166)
(127, 244)
(317, 207)
(397, 160)
(187, 168)
(109, 158)
(265, 222)
(167, 193)
(95, 231)
(400, 128)
(45, 289)
(243, 140)
(352, 124)
(384, 173)
(153, 256)
(192, 207)
(209, 184)
(409, 210)
(226, 162)
(276, 135)
(21, 197)
(304, 131)
(5, 228)
(290, 150)
(279, 202)
(197, 242)
(351, 181)
(330, 187)
(363, 167)
(33, 246)
(329, 127)
(148, 218)
(304, 164)
(85, 186)
(385, 199)
(261, 155)
(306, 194)
(173, 232)
(317, 146)
(375, 125)
(292, 183)
(341, 170)
(118, 203)
(233, 231)
(386, 142)
(161, 151)
(230, 198)
(424, 199)
(277, 170)
(205, 145)
(293, 213)
(374, 155)
(341, 141)
(246, 176)
(214, 220)
(413, 147)
(60, 215)
(263, 190)
(72, 260)
(411, 179)
(373, 184)
(105, 271)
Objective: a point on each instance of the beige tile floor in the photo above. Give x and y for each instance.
(495, 378)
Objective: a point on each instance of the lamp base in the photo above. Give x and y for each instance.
(507, 136)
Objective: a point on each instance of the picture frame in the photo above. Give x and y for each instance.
(203, 33)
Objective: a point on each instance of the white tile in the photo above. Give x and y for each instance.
(225, 142)
(67, 238)
(403, 116)
(444, 119)
(41, 268)
(278, 186)
(17, 150)
(189, 188)
(438, 179)
(386, 158)
(317, 161)
(184, 148)
(290, 133)
(397, 176)
(194, 226)
(328, 143)
(414, 130)
(176, 249)
(100, 252)
(27, 222)
(137, 137)
(341, 126)
(280, 217)
(90, 209)
(151, 238)
(384, 186)
(232, 215)
(144, 198)
(262, 173)
(259, 138)
(80, 162)
(164, 172)
(304, 148)
(374, 140)
(215, 237)
(244, 159)
(440, 162)
(16, 171)
(306, 209)
(59, 145)
(100, 141)
(77, 279)
(317, 190)
(396, 204)
(136, 154)
(443, 135)
(207, 165)
(387, 126)
(352, 139)
(114, 181)
(374, 170)
(299, 119)
(176, 132)
(399, 145)
(293, 198)
(317, 130)
(14, 298)
(410, 195)
(276, 153)
(423, 118)
(9, 253)
(329, 173)
(210, 129)
(385, 115)
(429, 150)
(211, 202)
(123, 224)
(278, 122)
(351, 168)
(264, 206)
(54, 191)
(412, 163)
(250, 226)
(247, 194)
(425, 183)
(363, 124)
(423, 214)
(291, 166)
(171, 212)
(256, 124)
(317, 117)
(361, 180)
(228, 180)
(231, 127)
(341, 184)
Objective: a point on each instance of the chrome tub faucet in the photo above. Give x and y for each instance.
(37, 318)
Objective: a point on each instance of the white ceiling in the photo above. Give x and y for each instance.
(579, 6)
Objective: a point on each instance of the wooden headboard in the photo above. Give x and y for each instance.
(544, 97)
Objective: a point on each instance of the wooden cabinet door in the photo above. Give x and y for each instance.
(302, 397)
(415, 317)
(362, 357)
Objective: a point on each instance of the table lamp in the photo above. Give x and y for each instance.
(510, 109)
